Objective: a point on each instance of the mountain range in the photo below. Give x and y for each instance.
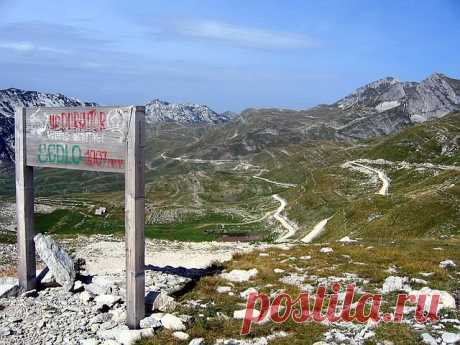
(379, 108)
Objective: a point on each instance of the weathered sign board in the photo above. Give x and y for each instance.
(78, 138)
(106, 139)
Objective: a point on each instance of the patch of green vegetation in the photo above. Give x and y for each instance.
(7, 237)
(421, 143)
(209, 228)
(398, 334)
(73, 222)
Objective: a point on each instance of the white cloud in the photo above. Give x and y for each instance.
(243, 36)
(29, 47)
(18, 46)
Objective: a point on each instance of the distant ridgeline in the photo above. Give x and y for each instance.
(379, 108)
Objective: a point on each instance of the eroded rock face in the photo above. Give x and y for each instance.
(60, 264)
(389, 105)
(435, 96)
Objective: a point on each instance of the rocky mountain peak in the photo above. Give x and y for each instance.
(435, 96)
(161, 111)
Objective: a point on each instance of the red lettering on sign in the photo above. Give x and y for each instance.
(89, 120)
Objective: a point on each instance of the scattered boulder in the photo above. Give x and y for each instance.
(278, 270)
(239, 276)
(58, 261)
(160, 301)
(150, 322)
(9, 287)
(347, 239)
(5, 331)
(100, 285)
(181, 335)
(197, 341)
(171, 322)
(223, 289)
(326, 250)
(446, 300)
(428, 339)
(119, 315)
(126, 336)
(450, 338)
(447, 264)
(395, 283)
(239, 314)
(100, 211)
(106, 300)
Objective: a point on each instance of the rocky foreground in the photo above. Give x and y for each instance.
(205, 304)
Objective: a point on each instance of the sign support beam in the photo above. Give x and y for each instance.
(24, 207)
(109, 139)
(134, 219)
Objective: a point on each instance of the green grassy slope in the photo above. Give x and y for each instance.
(209, 200)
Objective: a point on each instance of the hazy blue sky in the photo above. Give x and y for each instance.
(227, 54)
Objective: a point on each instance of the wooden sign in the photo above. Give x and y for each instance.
(89, 138)
(78, 138)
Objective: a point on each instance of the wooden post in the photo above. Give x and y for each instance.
(134, 219)
(24, 206)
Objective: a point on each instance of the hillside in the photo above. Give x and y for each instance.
(234, 197)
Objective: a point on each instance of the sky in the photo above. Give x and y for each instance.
(228, 54)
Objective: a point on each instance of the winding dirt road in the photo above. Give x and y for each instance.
(290, 227)
(317, 230)
(354, 165)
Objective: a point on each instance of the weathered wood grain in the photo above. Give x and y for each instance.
(134, 220)
(24, 207)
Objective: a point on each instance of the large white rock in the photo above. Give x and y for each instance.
(90, 341)
(152, 321)
(56, 259)
(108, 300)
(326, 250)
(450, 338)
(163, 302)
(347, 239)
(239, 314)
(447, 264)
(9, 287)
(126, 336)
(446, 300)
(428, 339)
(181, 335)
(394, 283)
(196, 341)
(171, 322)
(239, 276)
(224, 289)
